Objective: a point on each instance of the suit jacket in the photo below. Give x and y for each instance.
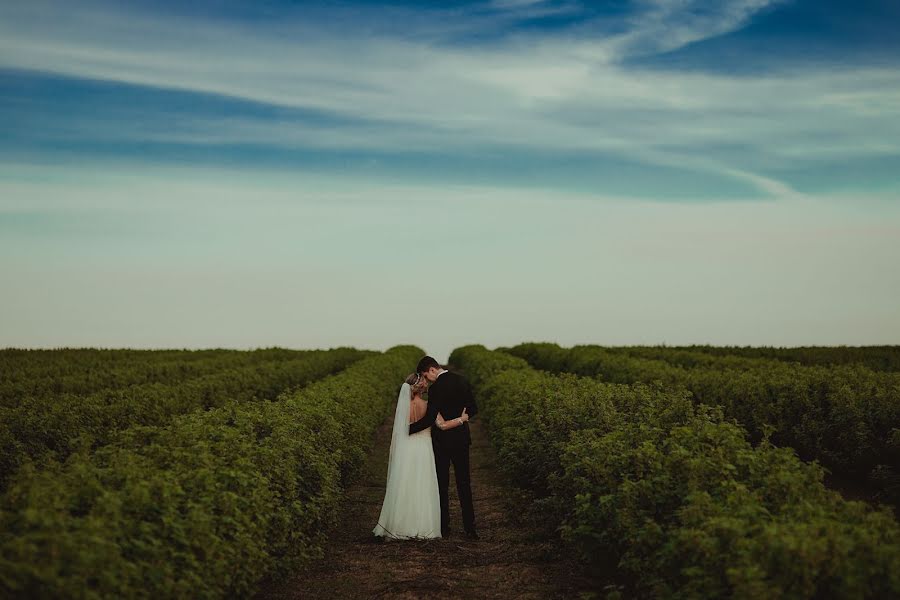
(449, 395)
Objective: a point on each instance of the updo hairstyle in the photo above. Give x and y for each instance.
(417, 383)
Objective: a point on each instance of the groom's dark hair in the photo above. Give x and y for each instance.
(426, 363)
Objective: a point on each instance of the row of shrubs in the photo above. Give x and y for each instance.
(26, 373)
(203, 507)
(877, 358)
(52, 427)
(664, 498)
(692, 359)
(845, 416)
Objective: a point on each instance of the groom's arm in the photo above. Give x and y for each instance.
(469, 399)
(426, 421)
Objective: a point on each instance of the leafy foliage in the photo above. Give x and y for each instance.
(845, 416)
(28, 373)
(877, 358)
(670, 499)
(52, 426)
(202, 507)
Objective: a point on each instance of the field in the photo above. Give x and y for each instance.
(604, 472)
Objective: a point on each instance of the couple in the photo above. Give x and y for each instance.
(415, 502)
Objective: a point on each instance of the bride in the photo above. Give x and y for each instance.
(412, 507)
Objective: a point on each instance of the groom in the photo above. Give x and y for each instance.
(449, 394)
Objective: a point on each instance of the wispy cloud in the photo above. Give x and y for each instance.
(246, 174)
(188, 257)
(505, 4)
(665, 25)
(538, 92)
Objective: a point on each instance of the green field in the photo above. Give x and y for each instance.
(650, 472)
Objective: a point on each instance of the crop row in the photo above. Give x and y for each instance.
(52, 427)
(664, 498)
(41, 373)
(877, 358)
(845, 416)
(203, 507)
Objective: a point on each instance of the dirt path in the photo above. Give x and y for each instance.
(505, 563)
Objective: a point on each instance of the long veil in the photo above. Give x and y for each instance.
(400, 433)
(393, 493)
(412, 500)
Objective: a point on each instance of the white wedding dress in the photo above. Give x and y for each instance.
(412, 505)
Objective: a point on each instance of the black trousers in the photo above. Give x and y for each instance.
(458, 455)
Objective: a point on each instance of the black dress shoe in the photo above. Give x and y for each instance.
(472, 535)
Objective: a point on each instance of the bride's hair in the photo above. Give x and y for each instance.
(417, 383)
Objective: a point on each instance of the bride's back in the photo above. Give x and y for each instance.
(417, 409)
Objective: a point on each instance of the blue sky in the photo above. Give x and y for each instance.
(310, 174)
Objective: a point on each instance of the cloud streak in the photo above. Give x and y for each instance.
(272, 173)
(536, 92)
(666, 25)
(214, 258)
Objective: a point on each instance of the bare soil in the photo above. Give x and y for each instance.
(508, 561)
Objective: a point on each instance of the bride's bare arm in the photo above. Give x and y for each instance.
(452, 422)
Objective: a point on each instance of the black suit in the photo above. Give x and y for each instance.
(449, 395)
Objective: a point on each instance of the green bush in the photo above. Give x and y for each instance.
(845, 416)
(203, 507)
(877, 358)
(84, 371)
(42, 428)
(668, 499)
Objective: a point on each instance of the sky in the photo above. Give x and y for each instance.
(315, 174)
